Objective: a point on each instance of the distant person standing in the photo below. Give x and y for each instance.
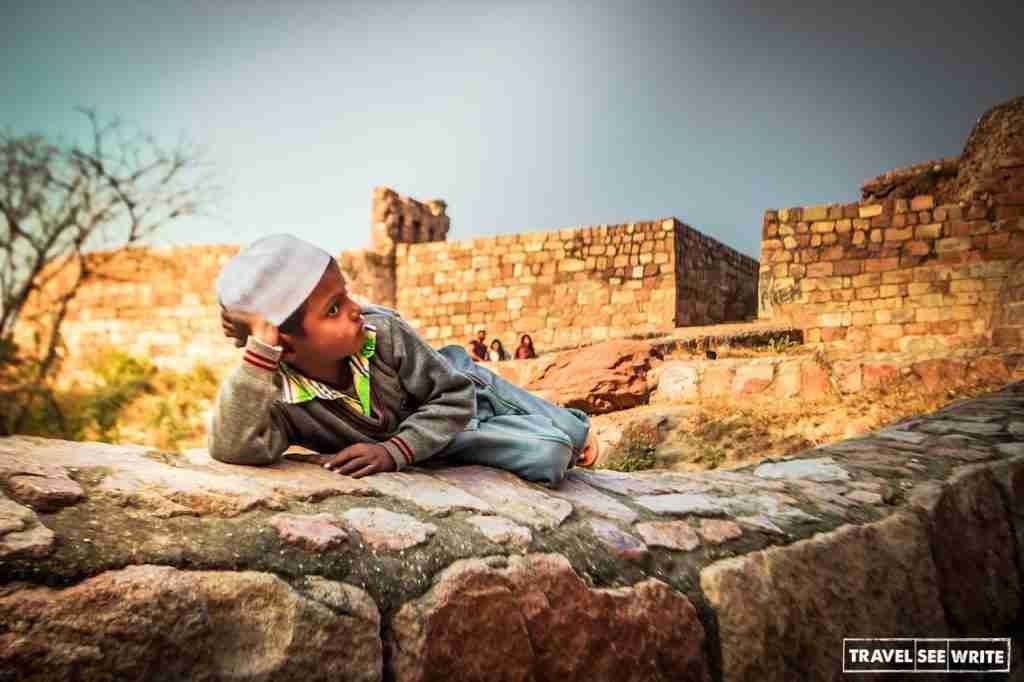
(497, 353)
(525, 350)
(477, 348)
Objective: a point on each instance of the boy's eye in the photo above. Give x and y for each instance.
(333, 310)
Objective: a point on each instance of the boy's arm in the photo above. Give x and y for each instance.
(244, 429)
(446, 397)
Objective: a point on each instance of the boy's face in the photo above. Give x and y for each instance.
(334, 325)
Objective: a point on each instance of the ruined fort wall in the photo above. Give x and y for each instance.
(156, 303)
(886, 275)
(714, 283)
(563, 288)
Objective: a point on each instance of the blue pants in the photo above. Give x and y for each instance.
(515, 430)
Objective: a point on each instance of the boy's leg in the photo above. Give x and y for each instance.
(530, 446)
(507, 398)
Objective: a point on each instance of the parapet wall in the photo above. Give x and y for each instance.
(574, 286)
(750, 574)
(885, 275)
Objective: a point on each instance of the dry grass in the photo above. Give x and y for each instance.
(727, 433)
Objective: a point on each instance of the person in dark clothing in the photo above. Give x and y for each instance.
(477, 348)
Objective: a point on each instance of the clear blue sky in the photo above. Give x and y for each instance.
(522, 116)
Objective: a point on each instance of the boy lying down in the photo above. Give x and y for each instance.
(358, 384)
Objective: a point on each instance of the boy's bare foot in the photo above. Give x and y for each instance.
(588, 457)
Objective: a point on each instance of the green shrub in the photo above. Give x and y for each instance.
(81, 412)
(174, 415)
(636, 450)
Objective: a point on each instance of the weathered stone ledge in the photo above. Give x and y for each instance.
(118, 562)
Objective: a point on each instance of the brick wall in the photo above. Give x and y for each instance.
(155, 303)
(714, 283)
(888, 275)
(574, 286)
(562, 288)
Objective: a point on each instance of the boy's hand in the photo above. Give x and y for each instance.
(361, 459)
(238, 326)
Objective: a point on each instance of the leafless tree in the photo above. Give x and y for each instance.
(65, 209)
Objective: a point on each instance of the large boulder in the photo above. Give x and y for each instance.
(532, 618)
(159, 623)
(601, 378)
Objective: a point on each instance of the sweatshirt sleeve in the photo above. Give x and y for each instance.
(244, 428)
(445, 397)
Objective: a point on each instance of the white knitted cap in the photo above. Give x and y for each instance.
(272, 276)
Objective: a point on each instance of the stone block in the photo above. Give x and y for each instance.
(878, 374)
(717, 380)
(777, 620)
(952, 245)
(972, 545)
(922, 203)
(930, 231)
(870, 211)
(787, 380)
(752, 379)
(814, 381)
(814, 213)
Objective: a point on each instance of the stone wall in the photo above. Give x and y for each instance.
(895, 274)
(156, 303)
(394, 219)
(755, 573)
(564, 288)
(574, 286)
(713, 283)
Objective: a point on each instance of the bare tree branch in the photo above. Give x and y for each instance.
(61, 206)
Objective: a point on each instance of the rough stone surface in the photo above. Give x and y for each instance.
(45, 493)
(609, 376)
(626, 484)
(972, 542)
(386, 530)
(821, 469)
(779, 621)
(426, 492)
(677, 381)
(314, 532)
(193, 484)
(910, 524)
(865, 497)
(21, 533)
(683, 505)
(502, 531)
(532, 618)
(582, 496)
(718, 531)
(159, 623)
(993, 149)
(618, 542)
(671, 534)
(516, 499)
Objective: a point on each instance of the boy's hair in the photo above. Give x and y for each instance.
(292, 326)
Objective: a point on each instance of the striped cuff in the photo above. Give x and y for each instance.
(259, 354)
(399, 451)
